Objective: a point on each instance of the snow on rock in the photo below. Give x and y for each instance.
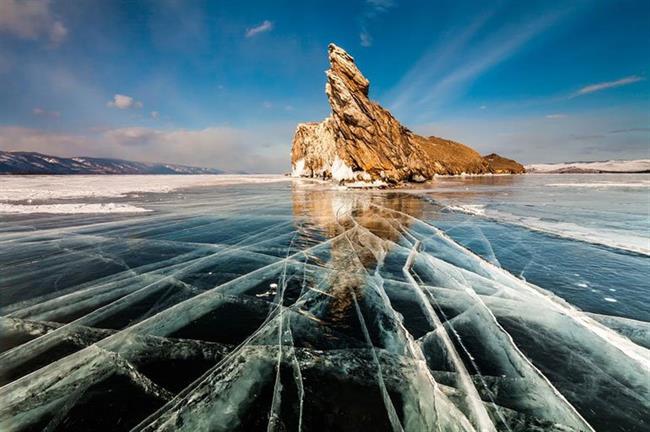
(340, 171)
(298, 168)
(362, 141)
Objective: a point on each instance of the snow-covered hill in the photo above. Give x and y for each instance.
(611, 166)
(37, 163)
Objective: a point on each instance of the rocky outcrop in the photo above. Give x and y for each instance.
(500, 165)
(361, 141)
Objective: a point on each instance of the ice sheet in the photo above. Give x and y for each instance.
(78, 208)
(605, 209)
(292, 307)
(606, 237)
(23, 188)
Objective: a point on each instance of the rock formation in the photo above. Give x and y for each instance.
(361, 141)
(500, 165)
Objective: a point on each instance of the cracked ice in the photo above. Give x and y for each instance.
(294, 307)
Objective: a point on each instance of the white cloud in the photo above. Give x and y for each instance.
(155, 115)
(121, 101)
(483, 107)
(607, 85)
(40, 112)
(365, 39)
(265, 151)
(380, 5)
(17, 138)
(130, 135)
(31, 19)
(372, 9)
(58, 32)
(264, 27)
(556, 116)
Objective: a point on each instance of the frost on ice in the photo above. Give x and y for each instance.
(345, 311)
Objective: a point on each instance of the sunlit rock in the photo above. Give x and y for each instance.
(361, 141)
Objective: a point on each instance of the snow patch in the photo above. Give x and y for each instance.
(298, 169)
(44, 187)
(473, 209)
(74, 208)
(340, 171)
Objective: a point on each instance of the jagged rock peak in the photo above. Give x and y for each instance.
(344, 69)
(361, 141)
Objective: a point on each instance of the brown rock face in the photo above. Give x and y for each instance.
(360, 140)
(500, 165)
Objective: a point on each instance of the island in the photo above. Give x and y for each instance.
(362, 142)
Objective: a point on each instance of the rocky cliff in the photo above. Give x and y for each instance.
(361, 141)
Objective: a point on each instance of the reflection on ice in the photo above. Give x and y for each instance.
(345, 311)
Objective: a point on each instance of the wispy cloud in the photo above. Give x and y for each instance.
(593, 88)
(586, 137)
(123, 102)
(381, 5)
(40, 112)
(446, 70)
(372, 9)
(629, 130)
(155, 115)
(365, 39)
(555, 116)
(31, 20)
(262, 28)
(495, 51)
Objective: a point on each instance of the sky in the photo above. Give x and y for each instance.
(224, 83)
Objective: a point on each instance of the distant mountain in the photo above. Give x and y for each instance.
(37, 163)
(597, 167)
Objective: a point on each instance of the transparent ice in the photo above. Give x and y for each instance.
(293, 306)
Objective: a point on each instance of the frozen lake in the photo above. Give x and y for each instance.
(504, 303)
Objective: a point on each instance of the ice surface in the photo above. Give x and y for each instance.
(291, 306)
(603, 184)
(607, 237)
(604, 209)
(78, 208)
(52, 194)
(24, 188)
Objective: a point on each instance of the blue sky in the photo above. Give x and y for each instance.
(224, 83)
